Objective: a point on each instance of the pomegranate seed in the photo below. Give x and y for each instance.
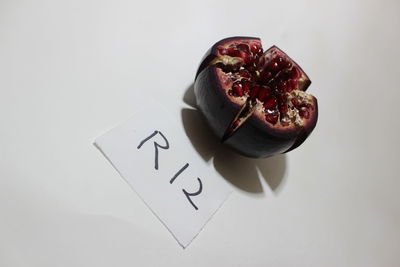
(251, 68)
(304, 113)
(233, 52)
(285, 64)
(241, 54)
(246, 86)
(294, 73)
(283, 108)
(281, 98)
(270, 102)
(293, 83)
(222, 51)
(237, 88)
(266, 76)
(282, 85)
(248, 59)
(230, 50)
(254, 92)
(272, 118)
(255, 48)
(262, 94)
(236, 124)
(244, 73)
(288, 85)
(274, 66)
(238, 53)
(280, 61)
(244, 48)
(295, 102)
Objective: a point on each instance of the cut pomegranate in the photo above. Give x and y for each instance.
(255, 101)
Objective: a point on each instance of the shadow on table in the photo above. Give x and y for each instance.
(242, 172)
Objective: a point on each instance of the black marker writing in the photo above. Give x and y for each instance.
(189, 195)
(156, 146)
(166, 146)
(179, 172)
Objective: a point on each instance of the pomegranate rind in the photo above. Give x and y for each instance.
(256, 138)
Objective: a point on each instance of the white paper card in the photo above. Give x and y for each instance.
(153, 154)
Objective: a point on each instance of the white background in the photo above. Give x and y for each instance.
(70, 70)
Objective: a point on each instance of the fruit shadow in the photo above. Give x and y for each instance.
(242, 172)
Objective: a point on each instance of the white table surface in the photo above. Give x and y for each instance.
(70, 70)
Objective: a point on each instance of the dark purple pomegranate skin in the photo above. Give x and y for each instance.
(256, 137)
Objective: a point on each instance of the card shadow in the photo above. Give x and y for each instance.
(242, 172)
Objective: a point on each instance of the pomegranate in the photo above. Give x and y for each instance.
(255, 100)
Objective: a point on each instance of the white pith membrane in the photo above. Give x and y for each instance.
(232, 61)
